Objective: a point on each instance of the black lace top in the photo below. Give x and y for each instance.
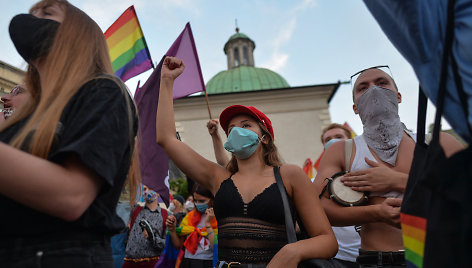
(252, 232)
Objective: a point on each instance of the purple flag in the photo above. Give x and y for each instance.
(191, 80)
(154, 163)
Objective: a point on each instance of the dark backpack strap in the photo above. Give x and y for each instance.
(291, 235)
(134, 215)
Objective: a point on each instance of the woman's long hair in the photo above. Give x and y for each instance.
(270, 154)
(78, 54)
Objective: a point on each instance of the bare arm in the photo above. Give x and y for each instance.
(210, 214)
(322, 243)
(220, 152)
(64, 191)
(449, 144)
(177, 241)
(331, 163)
(378, 178)
(204, 172)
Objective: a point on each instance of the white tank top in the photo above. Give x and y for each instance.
(362, 151)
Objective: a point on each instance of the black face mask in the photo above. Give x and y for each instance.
(32, 36)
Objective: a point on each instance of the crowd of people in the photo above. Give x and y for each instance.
(70, 167)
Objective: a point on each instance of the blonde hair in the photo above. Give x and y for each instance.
(270, 154)
(78, 54)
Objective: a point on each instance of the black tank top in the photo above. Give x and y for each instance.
(252, 232)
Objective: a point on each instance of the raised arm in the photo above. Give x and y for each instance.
(220, 152)
(204, 172)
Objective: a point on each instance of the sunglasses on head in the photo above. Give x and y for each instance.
(384, 68)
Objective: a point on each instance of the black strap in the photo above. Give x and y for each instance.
(420, 125)
(291, 235)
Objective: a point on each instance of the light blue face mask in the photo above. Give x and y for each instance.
(330, 142)
(201, 207)
(242, 142)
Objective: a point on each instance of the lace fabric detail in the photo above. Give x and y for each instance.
(249, 240)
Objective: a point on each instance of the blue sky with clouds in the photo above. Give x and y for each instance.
(306, 41)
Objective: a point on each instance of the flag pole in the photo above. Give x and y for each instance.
(208, 104)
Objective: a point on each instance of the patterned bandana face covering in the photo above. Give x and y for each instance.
(383, 130)
(149, 196)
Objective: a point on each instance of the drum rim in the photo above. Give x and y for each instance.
(335, 198)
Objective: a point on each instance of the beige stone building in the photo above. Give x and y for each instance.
(9, 77)
(298, 114)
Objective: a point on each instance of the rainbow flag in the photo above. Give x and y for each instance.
(414, 236)
(129, 52)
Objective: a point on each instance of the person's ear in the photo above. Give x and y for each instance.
(399, 97)
(354, 108)
(265, 139)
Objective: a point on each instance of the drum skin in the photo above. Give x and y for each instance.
(342, 194)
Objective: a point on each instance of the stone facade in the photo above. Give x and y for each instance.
(298, 116)
(9, 77)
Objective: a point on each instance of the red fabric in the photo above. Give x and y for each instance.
(317, 163)
(234, 110)
(134, 215)
(191, 243)
(195, 217)
(308, 168)
(164, 218)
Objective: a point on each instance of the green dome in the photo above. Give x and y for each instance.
(245, 78)
(238, 35)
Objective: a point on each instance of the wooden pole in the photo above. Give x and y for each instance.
(208, 104)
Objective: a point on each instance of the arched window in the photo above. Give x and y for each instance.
(237, 61)
(245, 56)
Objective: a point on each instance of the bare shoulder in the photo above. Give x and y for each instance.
(449, 144)
(293, 177)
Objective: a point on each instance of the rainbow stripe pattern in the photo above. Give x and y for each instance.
(414, 236)
(128, 50)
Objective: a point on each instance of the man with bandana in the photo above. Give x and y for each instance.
(380, 163)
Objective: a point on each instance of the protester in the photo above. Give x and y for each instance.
(197, 231)
(348, 239)
(417, 28)
(246, 195)
(177, 208)
(147, 231)
(126, 202)
(380, 162)
(220, 153)
(189, 205)
(67, 152)
(434, 37)
(13, 100)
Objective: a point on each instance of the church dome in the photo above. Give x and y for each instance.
(242, 75)
(245, 78)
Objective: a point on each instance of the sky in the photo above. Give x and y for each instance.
(308, 42)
